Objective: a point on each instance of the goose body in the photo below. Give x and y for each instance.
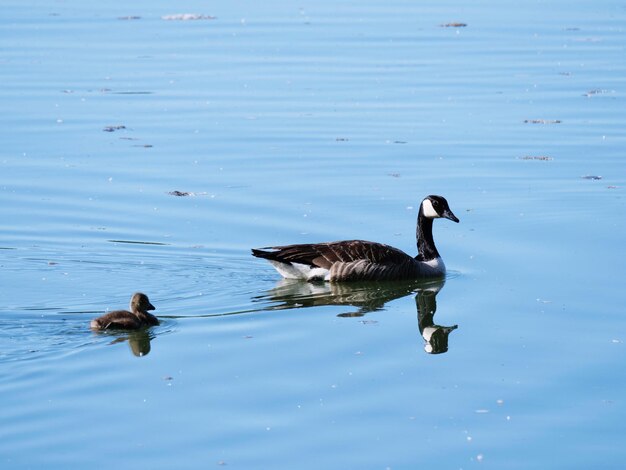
(360, 260)
(138, 317)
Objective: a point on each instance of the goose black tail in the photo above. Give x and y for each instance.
(269, 255)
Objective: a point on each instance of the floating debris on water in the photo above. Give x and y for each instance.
(591, 177)
(591, 93)
(129, 18)
(542, 121)
(186, 193)
(453, 25)
(113, 128)
(187, 17)
(587, 40)
(544, 158)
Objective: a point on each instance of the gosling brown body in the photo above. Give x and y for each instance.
(137, 318)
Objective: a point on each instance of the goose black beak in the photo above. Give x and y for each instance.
(450, 216)
(151, 307)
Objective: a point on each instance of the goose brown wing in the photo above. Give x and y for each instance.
(324, 255)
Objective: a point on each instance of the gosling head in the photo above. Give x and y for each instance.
(140, 303)
(436, 207)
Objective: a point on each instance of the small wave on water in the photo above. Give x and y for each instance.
(52, 295)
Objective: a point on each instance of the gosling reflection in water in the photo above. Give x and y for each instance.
(368, 297)
(138, 342)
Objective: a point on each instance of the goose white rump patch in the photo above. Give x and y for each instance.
(301, 271)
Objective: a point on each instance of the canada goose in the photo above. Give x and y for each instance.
(138, 317)
(358, 260)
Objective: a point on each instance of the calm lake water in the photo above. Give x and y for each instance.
(281, 122)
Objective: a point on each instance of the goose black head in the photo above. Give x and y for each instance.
(140, 303)
(435, 207)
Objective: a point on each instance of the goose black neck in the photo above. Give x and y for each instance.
(426, 303)
(425, 243)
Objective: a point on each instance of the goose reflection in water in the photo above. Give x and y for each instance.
(368, 297)
(436, 336)
(138, 340)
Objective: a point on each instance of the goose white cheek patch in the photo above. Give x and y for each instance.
(428, 209)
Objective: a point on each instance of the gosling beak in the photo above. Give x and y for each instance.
(151, 307)
(447, 214)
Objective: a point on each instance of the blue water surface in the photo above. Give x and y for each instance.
(146, 150)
